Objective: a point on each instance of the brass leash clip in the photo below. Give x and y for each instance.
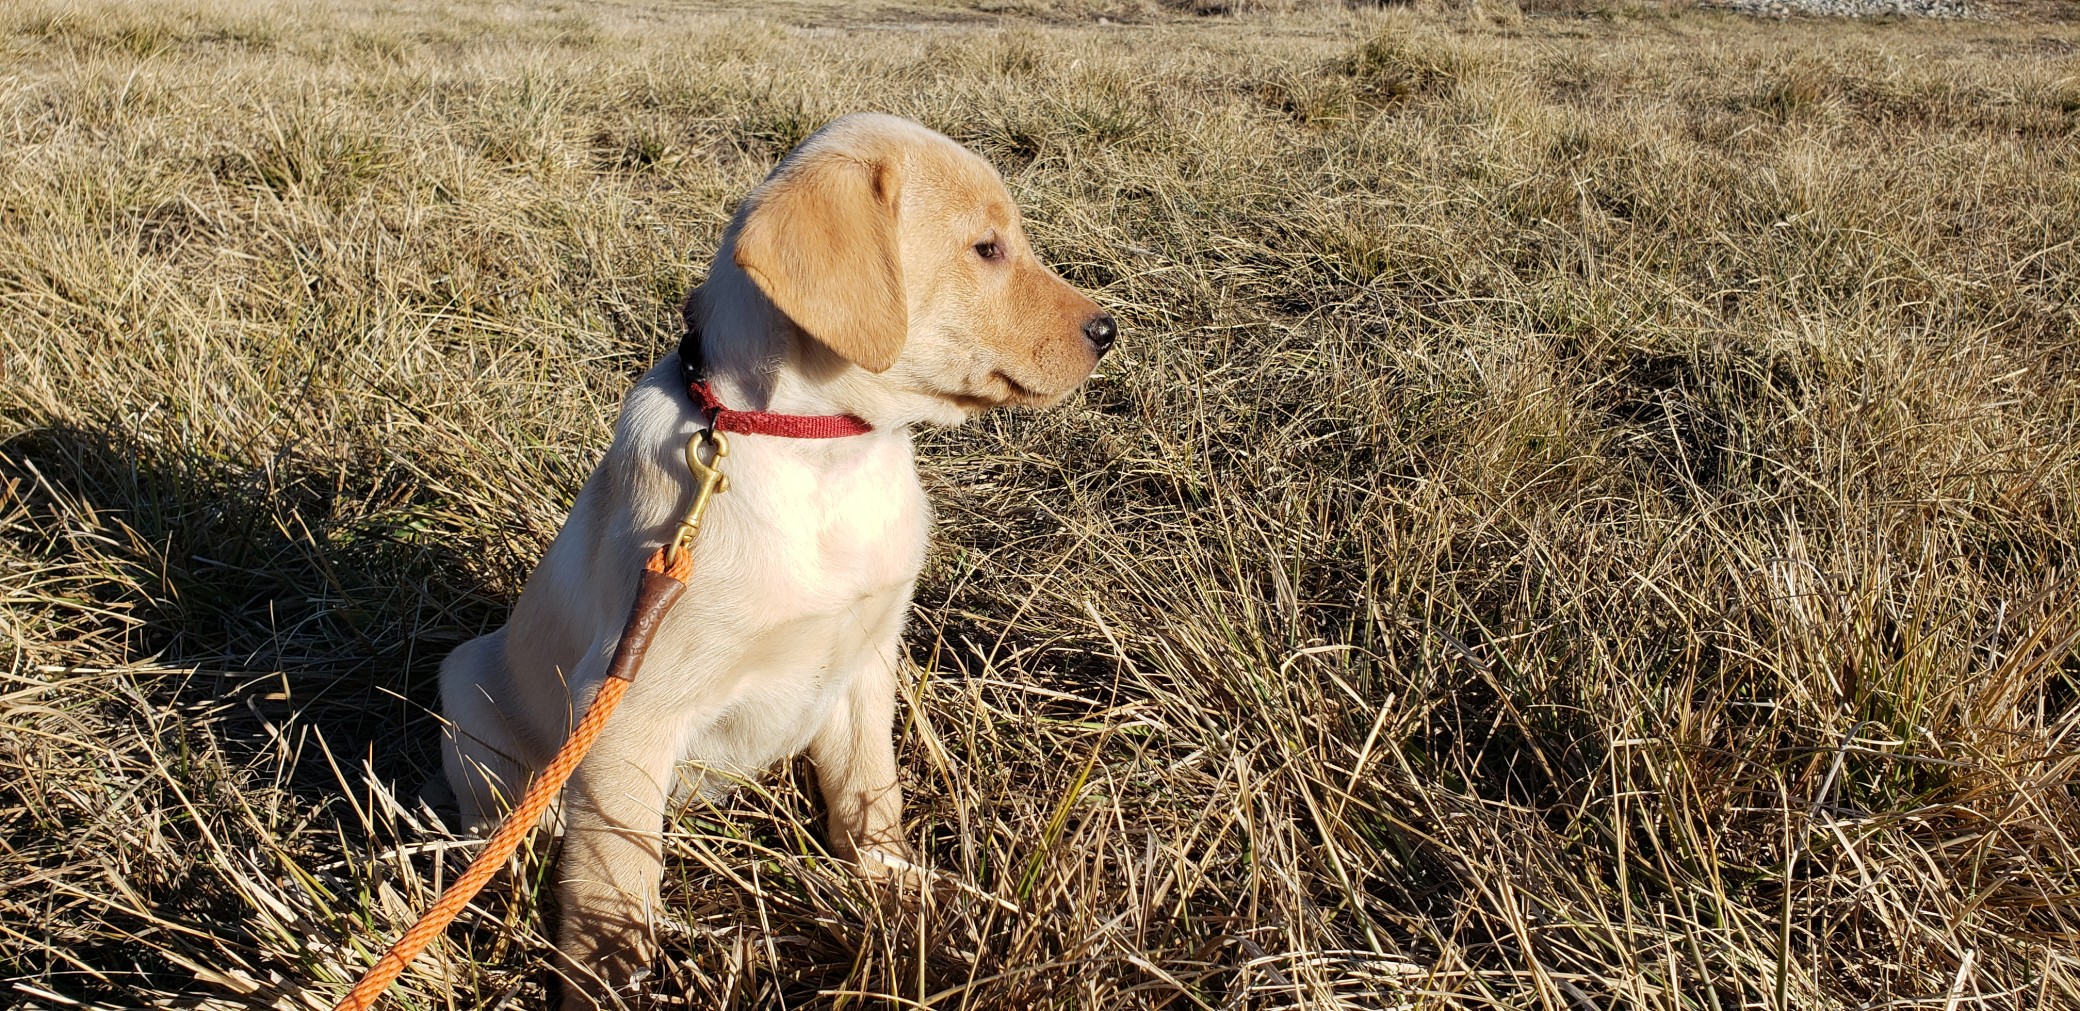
(708, 482)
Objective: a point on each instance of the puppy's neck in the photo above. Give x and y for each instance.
(758, 360)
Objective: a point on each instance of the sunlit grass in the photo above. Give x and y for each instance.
(1583, 515)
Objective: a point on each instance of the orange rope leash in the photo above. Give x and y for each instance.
(651, 601)
(664, 578)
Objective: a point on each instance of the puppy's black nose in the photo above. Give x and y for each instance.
(1101, 331)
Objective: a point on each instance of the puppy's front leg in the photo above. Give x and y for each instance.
(855, 758)
(607, 879)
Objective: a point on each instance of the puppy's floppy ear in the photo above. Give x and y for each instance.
(821, 243)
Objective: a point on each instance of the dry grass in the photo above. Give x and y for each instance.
(1585, 516)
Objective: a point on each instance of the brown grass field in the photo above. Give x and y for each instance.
(1586, 514)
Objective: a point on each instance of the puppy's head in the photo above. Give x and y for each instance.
(897, 250)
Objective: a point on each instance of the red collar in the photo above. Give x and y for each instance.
(693, 369)
(792, 426)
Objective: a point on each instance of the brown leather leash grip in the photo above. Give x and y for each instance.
(654, 596)
(661, 585)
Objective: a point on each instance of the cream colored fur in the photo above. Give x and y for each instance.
(854, 280)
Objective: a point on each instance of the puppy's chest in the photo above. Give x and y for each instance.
(817, 542)
(810, 576)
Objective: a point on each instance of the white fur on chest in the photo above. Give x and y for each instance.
(802, 578)
(805, 530)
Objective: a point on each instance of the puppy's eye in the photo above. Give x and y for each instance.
(989, 251)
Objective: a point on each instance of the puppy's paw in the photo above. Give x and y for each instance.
(587, 992)
(605, 958)
(887, 860)
(893, 876)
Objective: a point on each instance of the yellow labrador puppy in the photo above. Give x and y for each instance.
(881, 273)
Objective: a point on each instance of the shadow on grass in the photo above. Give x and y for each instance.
(300, 589)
